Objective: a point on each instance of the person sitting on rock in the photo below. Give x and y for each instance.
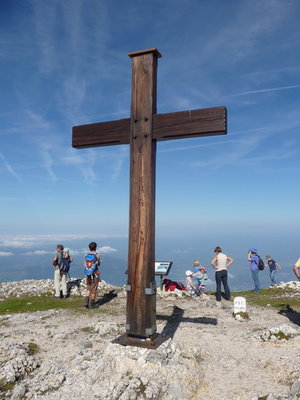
(190, 287)
(196, 269)
(201, 277)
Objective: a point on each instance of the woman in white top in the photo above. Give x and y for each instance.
(220, 263)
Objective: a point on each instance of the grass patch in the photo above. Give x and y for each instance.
(5, 324)
(281, 299)
(87, 329)
(37, 303)
(5, 387)
(280, 335)
(243, 315)
(33, 348)
(26, 304)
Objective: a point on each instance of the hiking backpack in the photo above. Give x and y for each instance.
(260, 264)
(90, 264)
(64, 265)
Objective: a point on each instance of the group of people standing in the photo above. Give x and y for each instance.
(61, 264)
(254, 267)
(196, 277)
(221, 262)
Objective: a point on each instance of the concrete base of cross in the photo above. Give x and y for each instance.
(151, 342)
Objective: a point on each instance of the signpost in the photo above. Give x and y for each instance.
(162, 268)
(142, 130)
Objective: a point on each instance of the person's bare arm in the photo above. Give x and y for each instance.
(230, 261)
(213, 262)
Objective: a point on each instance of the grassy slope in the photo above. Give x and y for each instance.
(281, 299)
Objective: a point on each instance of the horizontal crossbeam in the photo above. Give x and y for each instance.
(178, 125)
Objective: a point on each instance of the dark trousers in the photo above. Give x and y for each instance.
(221, 277)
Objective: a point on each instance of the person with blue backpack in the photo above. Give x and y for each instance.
(91, 269)
(255, 268)
(61, 265)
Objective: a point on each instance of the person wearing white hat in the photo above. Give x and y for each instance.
(190, 287)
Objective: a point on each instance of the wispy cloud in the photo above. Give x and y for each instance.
(103, 249)
(84, 162)
(267, 90)
(7, 166)
(179, 251)
(191, 147)
(119, 160)
(107, 249)
(6, 254)
(48, 160)
(238, 152)
(29, 241)
(37, 253)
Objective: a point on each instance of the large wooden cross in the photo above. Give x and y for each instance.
(142, 131)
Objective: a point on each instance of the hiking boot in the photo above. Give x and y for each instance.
(86, 302)
(92, 303)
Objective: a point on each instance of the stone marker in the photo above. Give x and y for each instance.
(239, 305)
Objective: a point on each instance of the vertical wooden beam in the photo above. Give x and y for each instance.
(141, 295)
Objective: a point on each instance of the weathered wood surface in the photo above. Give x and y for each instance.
(141, 307)
(178, 125)
(193, 123)
(153, 51)
(101, 134)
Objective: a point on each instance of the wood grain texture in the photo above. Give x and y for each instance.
(101, 134)
(193, 123)
(178, 125)
(141, 307)
(154, 51)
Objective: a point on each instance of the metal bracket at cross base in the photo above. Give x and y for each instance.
(151, 339)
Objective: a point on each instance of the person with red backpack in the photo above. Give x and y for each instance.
(91, 268)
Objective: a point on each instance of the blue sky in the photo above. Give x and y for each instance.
(65, 63)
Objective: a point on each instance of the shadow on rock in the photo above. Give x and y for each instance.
(177, 317)
(107, 297)
(291, 314)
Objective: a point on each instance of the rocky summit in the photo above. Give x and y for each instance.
(67, 353)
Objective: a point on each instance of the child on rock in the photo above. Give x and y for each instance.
(201, 278)
(190, 287)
